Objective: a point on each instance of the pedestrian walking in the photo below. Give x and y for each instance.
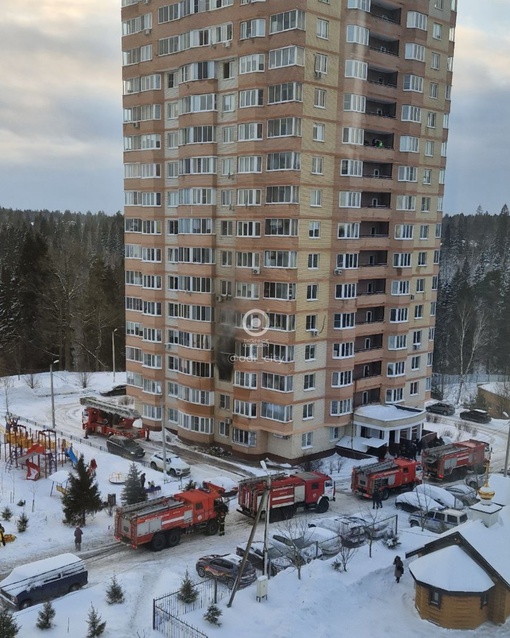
(142, 480)
(375, 498)
(398, 569)
(78, 533)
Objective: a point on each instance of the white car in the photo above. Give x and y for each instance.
(439, 494)
(468, 495)
(352, 533)
(413, 502)
(329, 542)
(299, 548)
(175, 466)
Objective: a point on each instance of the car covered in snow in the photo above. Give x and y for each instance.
(225, 568)
(413, 502)
(299, 549)
(175, 466)
(329, 542)
(468, 495)
(277, 562)
(439, 494)
(352, 532)
(478, 416)
(123, 446)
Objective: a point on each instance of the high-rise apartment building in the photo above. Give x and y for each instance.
(284, 176)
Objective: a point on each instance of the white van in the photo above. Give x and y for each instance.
(43, 580)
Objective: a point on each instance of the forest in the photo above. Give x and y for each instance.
(61, 290)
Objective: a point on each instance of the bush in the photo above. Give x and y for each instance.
(21, 503)
(188, 592)
(190, 485)
(6, 513)
(45, 617)
(22, 523)
(114, 593)
(212, 615)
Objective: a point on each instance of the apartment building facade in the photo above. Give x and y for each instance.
(284, 176)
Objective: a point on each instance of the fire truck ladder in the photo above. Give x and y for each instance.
(261, 479)
(376, 467)
(437, 452)
(110, 408)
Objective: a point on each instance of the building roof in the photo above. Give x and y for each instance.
(487, 546)
(360, 443)
(451, 569)
(388, 413)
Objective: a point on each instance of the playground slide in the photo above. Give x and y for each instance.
(32, 451)
(33, 471)
(70, 453)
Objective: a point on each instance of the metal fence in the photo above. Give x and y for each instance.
(167, 610)
(454, 379)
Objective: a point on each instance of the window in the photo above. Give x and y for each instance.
(309, 382)
(228, 103)
(313, 261)
(319, 132)
(402, 260)
(435, 598)
(282, 195)
(404, 231)
(429, 148)
(286, 56)
(420, 285)
(434, 90)
(317, 166)
(286, 21)
(319, 98)
(346, 291)
(343, 350)
(287, 92)
(349, 199)
(341, 379)
(308, 410)
(422, 258)
(356, 69)
(340, 407)
(396, 369)
(415, 362)
(357, 34)
(435, 61)
(352, 135)
(228, 134)
(276, 412)
(431, 120)
(400, 287)
(348, 231)
(252, 29)
(397, 342)
(413, 83)
(322, 28)
(411, 113)
(354, 102)
(395, 395)
(310, 352)
(406, 202)
(399, 315)
(437, 31)
(311, 323)
(351, 168)
(364, 5)
(249, 164)
(344, 320)
(427, 176)
(425, 204)
(413, 388)
(409, 144)
(251, 63)
(424, 231)
(314, 230)
(418, 311)
(414, 52)
(243, 437)
(286, 161)
(315, 197)
(416, 20)
(347, 260)
(250, 131)
(284, 127)
(320, 64)
(307, 437)
(312, 292)
(407, 174)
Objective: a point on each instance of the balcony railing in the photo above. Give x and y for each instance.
(383, 49)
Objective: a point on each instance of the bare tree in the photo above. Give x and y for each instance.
(31, 381)
(84, 379)
(344, 557)
(296, 536)
(6, 383)
(469, 337)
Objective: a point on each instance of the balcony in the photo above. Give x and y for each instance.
(376, 199)
(388, 46)
(377, 170)
(382, 11)
(366, 397)
(381, 108)
(367, 371)
(382, 78)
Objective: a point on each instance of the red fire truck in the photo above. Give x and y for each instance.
(161, 521)
(391, 475)
(101, 417)
(452, 461)
(311, 490)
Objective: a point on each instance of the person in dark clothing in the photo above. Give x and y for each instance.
(398, 569)
(78, 533)
(2, 534)
(142, 480)
(376, 499)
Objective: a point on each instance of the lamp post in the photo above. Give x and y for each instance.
(52, 394)
(266, 499)
(113, 353)
(505, 471)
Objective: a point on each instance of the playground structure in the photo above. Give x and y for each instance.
(38, 451)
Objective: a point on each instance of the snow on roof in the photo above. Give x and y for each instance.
(388, 412)
(359, 443)
(59, 477)
(501, 486)
(451, 569)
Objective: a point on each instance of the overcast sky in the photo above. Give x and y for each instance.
(61, 111)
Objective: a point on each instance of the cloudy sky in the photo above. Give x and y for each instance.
(61, 112)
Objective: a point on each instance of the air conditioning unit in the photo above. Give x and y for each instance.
(314, 332)
(412, 297)
(146, 1)
(318, 74)
(416, 346)
(136, 124)
(255, 271)
(227, 44)
(219, 298)
(168, 346)
(147, 31)
(338, 271)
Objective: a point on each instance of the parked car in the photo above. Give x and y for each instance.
(175, 466)
(225, 568)
(462, 492)
(298, 549)
(475, 481)
(446, 409)
(329, 542)
(277, 562)
(412, 502)
(116, 391)
(123, 446)
(478, 416)
(439, 494)
(352, 532)
(438, 520)
(374, 527)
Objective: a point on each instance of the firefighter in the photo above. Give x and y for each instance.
(221, 513)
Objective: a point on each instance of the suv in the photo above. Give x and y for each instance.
(174, 465)
(123, 446)
(438, 520)
(478, 416)
(225, 568)
(446, 409)
(277, 562)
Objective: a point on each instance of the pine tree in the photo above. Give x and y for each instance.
(46, 616)
(82, 496)
(188, 591)
(212, 615)
(114, 593)
(22, 522)
(133, 491)
(95, 623)
(8, 626)
(7, 513)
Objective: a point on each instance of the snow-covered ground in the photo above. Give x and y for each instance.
(365, 601)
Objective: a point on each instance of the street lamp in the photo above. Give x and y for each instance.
(113, 353)
(505, 471)
(52, 394)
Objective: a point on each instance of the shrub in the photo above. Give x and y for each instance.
(7, 513)
(212, 614)
(188, 592)
(96, 625)
(22, 523)
(114, 593)
(45, 617)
